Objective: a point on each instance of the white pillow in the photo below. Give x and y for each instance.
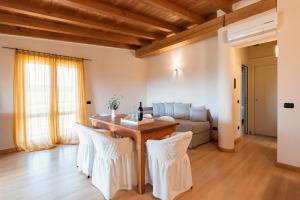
(158, 109)
(182, 110)
(198, 114)
(169, 109)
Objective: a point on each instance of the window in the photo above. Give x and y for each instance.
(67, 81)
(49, 98)
(37, 98)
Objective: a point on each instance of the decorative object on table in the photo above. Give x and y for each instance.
(147, 116)
(140, 112)
(113, 104)
(132, 120)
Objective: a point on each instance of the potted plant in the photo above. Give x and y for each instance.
(113, 104)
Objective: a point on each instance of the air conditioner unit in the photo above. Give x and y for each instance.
(253, 26)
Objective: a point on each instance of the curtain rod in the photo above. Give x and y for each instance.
(46, 53)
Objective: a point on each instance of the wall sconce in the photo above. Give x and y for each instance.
(176, 69)
(176, 61)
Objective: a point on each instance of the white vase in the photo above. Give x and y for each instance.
(113, 113)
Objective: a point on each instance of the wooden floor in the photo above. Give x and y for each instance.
(248, 174)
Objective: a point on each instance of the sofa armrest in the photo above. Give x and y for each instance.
(210, 118)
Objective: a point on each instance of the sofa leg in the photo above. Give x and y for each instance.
(191, 187)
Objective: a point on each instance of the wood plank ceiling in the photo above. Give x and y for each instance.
(147, 26)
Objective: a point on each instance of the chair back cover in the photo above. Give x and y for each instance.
(83, 134)
(114, 165)
(86, 152)
(169, 165)
(108, 147)
(170, 148)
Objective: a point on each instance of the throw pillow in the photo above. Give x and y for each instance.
(198, 114)
(169, 109)
(158, 109)
(182, 110)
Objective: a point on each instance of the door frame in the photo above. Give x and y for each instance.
(251, 82)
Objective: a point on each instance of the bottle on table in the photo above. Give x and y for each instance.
(140, 112)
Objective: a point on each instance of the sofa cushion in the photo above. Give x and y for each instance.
(182, 110)
(195, 127)
(169, 109)
(198, 114)
(158, 109)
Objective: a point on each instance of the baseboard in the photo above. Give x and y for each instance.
(226, 150)
(237, 140)
(10, 150)
(287, 166)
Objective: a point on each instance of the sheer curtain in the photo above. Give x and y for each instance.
(49, 96)
(70, 84)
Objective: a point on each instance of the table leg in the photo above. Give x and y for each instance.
(141, 165)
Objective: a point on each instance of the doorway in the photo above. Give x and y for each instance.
(259, 90)
(244, 106)
(265, 99)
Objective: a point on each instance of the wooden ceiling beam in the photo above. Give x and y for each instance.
(46, 25)
(176, 9)
(250, 10)
(191, 35)
(61, 14)
(11, 30)
(124, 14)
(204, 30)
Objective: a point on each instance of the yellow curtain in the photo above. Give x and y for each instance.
(49, 97)
(71, 98)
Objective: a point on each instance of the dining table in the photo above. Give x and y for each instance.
(155, 130)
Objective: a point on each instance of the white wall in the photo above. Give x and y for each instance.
(288, 82)
(239, 58)
(111, 71)
(228, 58)
(196, 80)
(6, 99)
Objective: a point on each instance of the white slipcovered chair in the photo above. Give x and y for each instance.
(169, 165)
(114, 166)
(86, 149)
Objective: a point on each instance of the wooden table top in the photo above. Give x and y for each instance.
(156, 125)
